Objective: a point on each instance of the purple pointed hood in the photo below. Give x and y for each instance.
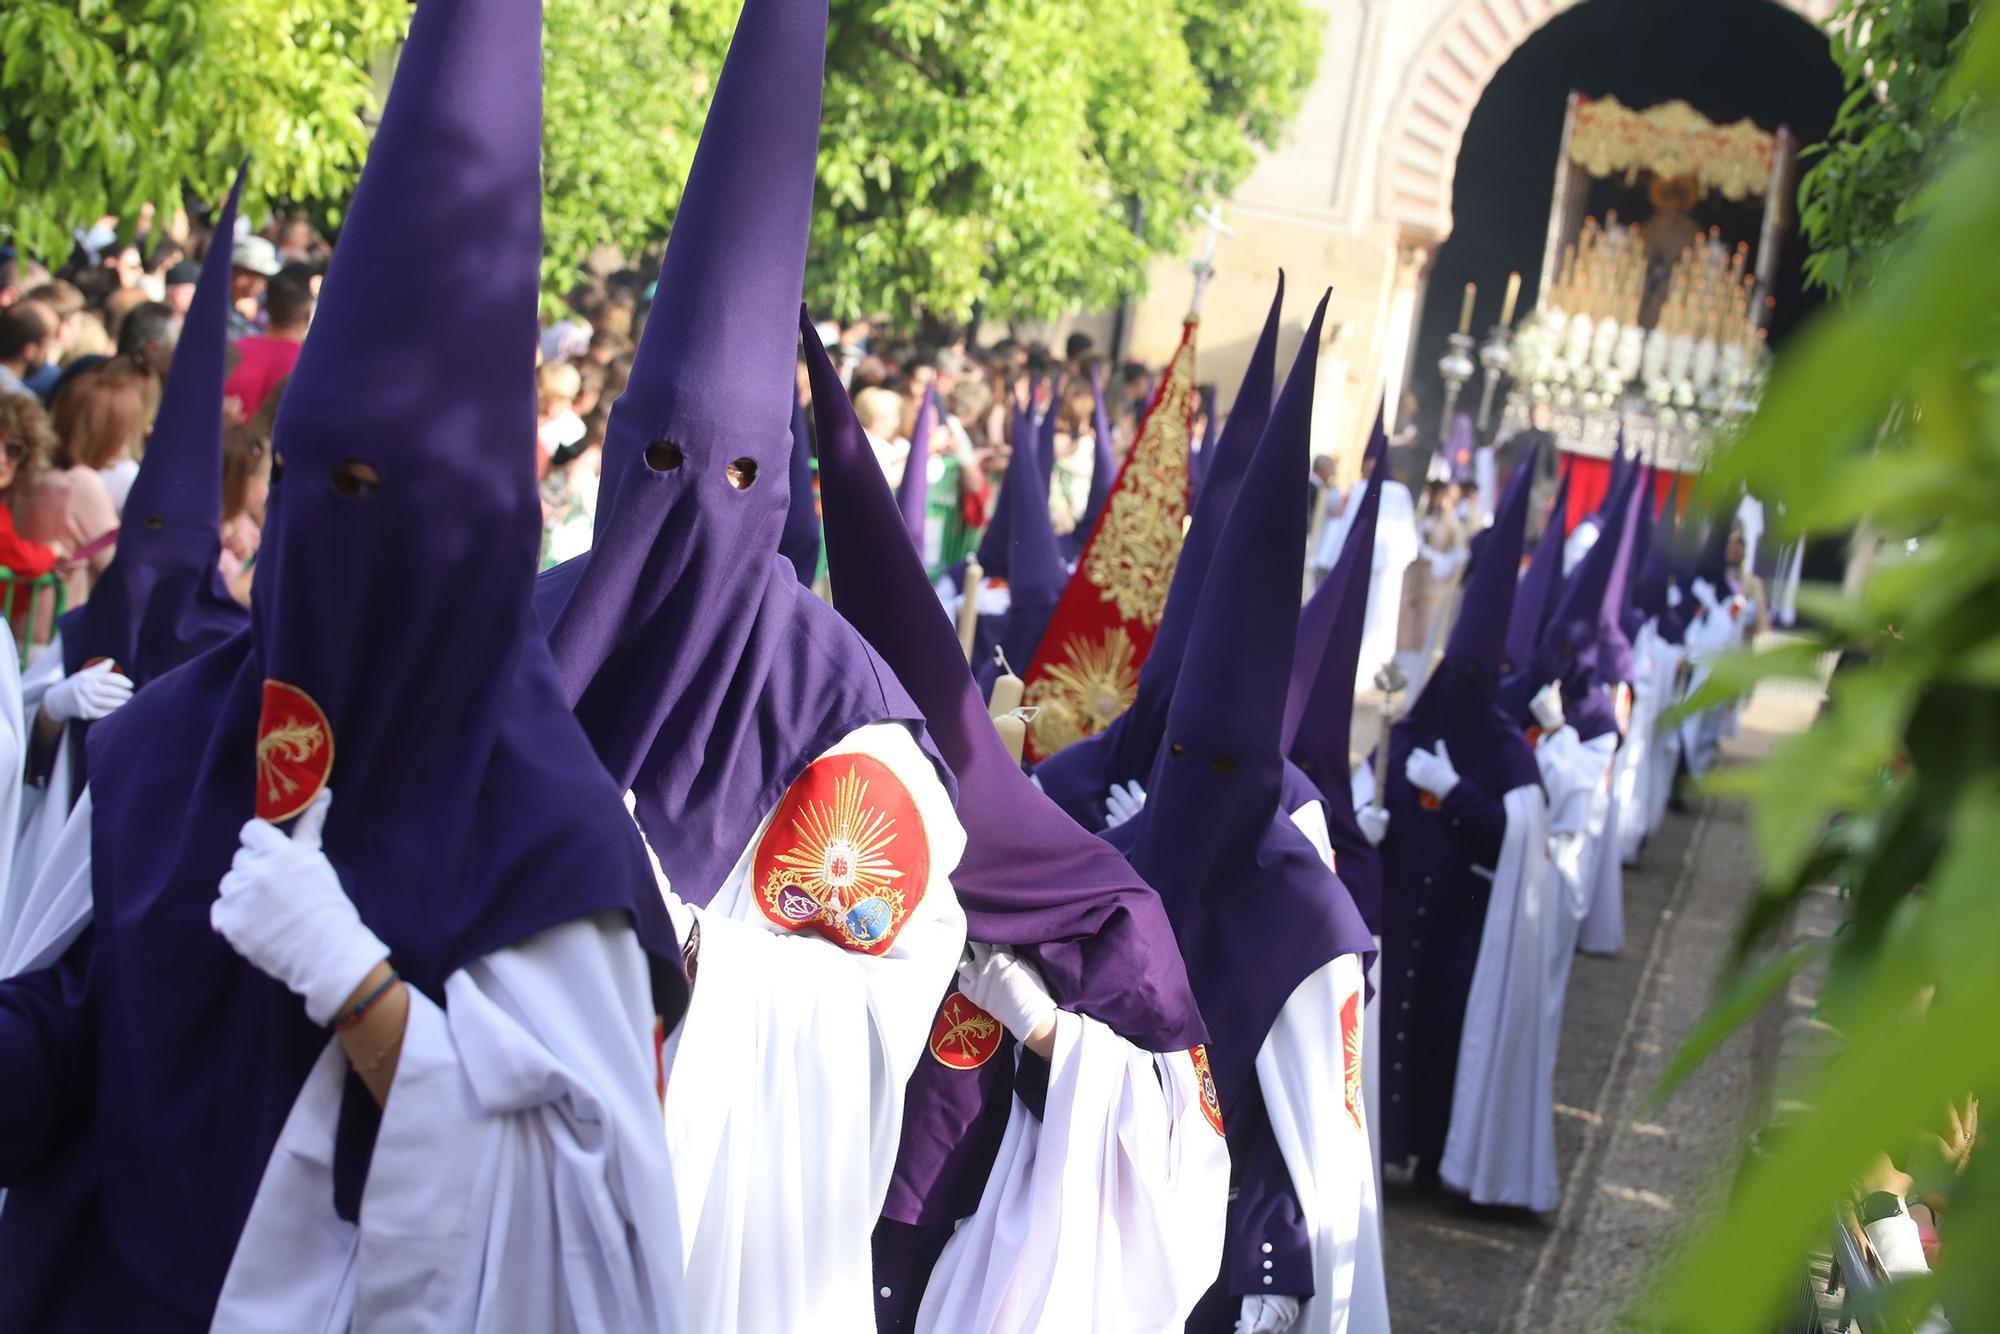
(392, 655)
(800, 542)
(1078, 775)
(1535, 596)
(705, 675)
(913, 494)
(996, 545)
(1630, 615)
(1583, 645)
(1104, 462)
(163, 599)
(1254, 907)
(1654, 571)
(1036, 575)
(1460, 704)
(1029, 878)
(1319, 710)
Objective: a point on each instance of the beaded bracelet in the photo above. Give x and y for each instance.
(354, 1015)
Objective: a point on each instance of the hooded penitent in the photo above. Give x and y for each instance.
(1029, 878)
(1654, 574)
(1535, 596)
(1254, 907)
(913, 493)
(393, 654)
(1035, 573)
(1459, 443)
(162, 600)
(1319, 704)
(1103, 469)
(1078, 776)
(995, 553)
(800, 541)
(1434, 893)
(706, 677)
(1583, 645)
(1645, 523)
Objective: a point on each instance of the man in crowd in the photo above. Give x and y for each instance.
(264, 359)
(254, 262)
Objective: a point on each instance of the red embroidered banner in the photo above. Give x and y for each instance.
(1086, 671)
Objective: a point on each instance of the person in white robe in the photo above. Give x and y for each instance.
(51, 701)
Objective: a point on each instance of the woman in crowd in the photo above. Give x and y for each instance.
(246, 486)
(25, 445)
(99, 420)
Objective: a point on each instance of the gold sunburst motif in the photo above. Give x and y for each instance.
(1096, 681)
(833, 864)
(1350, 1042)
(1131, 558)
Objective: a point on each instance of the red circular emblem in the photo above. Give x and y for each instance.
(94, 661)
(294, 752)
(844, 855)
(964, 1036)
(1211, 1102)
(1350, 1054)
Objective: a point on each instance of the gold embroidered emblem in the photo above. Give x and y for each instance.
(845, 855)
(1132, 555)
(964, 1036)
(1096, 681)
(1350, 1054)
(1211, 1101)
(294, 752)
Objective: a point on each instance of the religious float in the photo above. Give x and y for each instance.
(1655, 327)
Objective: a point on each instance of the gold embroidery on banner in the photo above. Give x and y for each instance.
(1132, 557)
(1096, 681)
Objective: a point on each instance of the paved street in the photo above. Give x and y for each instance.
(1633, 1172)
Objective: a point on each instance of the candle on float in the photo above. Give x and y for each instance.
(1465, 311)
(1513, 295)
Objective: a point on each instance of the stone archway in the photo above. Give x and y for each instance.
(1442, 85)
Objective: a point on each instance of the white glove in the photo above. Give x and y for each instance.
(282, 908)
(98, 691)
(1440, 563)
(1673, 594)
(1267, 1315)
(998, 982)
(1547, 706)
(1122, 802)
(1374, 822)
(1431, 771)
(1704, 593)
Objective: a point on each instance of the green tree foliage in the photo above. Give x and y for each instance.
(106, 105)
(993, 150)
(1896, 55)
(1885, 416)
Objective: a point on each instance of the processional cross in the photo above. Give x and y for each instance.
(1203, 265)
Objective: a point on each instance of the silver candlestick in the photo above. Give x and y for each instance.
(1456, 366)
(1496, 358)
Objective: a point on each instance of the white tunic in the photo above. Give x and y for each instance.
(1105, 1214)
(1396, 545)
(1573, 773)
(1303, 1070)
(13, 759)
(1654, 664)
(43, 810)
(784, 1100)
(1501, 1146)
(518, 1181)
